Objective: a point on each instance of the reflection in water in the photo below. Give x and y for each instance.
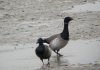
(79, 53)
(56, 62)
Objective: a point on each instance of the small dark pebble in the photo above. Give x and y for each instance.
(30, 26)
(72, 6)
(1, 2)
(32, 18)
(85, 1)
(22, 11)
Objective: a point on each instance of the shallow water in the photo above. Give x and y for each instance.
(76, 52)
(85, 7)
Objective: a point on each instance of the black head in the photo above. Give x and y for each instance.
(67, 19)
(40, 40)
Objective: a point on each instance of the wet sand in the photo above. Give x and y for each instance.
(77, 55)
(22, 22)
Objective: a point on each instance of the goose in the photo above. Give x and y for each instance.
(58, 41)
(43, 51)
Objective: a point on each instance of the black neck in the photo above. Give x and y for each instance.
(41, 44)
(65, 32)
(41, 49)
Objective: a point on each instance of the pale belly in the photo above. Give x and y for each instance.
(57, 44)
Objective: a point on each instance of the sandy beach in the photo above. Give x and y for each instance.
(22, 22)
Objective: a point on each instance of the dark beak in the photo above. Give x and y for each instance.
(37, 42)
(71, 18)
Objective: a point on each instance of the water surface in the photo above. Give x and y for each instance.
(76, 52)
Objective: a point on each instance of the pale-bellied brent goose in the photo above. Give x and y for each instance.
(58, 41)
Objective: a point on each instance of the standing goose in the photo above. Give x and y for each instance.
(58, 41)
(42, 51)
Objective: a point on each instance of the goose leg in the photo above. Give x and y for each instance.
(59, 53)
(56, 51)
(48, 62)
(42, 61)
